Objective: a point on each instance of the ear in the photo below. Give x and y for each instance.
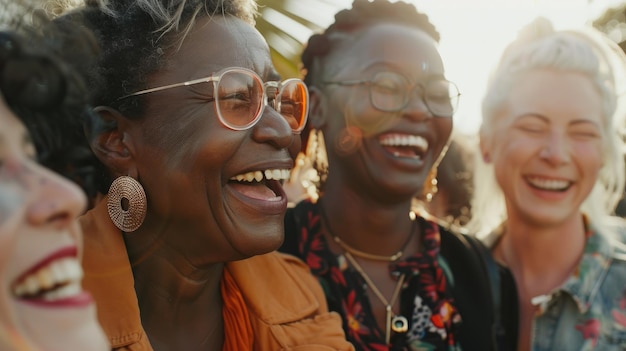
(110, 142)
(317, 111)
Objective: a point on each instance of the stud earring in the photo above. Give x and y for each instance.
(127, 203)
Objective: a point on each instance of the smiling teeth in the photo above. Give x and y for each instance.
(405, 140)
(269, 174)
(549, 184)
(65, 274)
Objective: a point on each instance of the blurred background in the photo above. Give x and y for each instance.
(473, 33)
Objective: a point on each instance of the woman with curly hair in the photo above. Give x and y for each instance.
(192, 134)
(382, 106)
(42, 303)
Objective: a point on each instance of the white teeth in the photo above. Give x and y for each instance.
(63, 292)
(405, 140)
(63, 272)
(549, 184)
(258, 176)
(269, 174)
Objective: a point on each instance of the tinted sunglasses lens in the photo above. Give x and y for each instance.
(239, 99)
(293, 104)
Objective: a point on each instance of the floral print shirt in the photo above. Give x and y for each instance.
(588, 312)
(424, 300)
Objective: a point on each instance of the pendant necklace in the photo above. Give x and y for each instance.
(365, 255)
(397, 323)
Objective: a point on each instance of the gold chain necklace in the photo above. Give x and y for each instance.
(366, 255)
(397, 323)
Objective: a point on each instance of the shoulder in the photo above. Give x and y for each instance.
(287, 304)
(278, 274)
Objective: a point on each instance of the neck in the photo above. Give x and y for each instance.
(528, 249)
(180, 303)
(367, 226)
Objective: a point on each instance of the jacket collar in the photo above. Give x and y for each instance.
(109, 278)
(270, 301)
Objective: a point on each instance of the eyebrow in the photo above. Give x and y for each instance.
(585, 121)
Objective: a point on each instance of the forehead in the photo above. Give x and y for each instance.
(217, 43)
(558, 95)
(404, 48)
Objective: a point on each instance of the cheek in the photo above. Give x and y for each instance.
(14, 186)
(509, 152)
(444, 129)
(11, 200)
(357, 111)
(589, 156)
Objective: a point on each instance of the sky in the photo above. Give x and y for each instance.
(474, 33)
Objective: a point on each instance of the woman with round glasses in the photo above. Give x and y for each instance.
(192, 133)
(382, 106)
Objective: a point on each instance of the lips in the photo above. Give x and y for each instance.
(404, 145)
(56, 280)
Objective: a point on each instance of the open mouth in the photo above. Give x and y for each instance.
(262, 185)
(547, 184)
(58, 280)
(404, 145)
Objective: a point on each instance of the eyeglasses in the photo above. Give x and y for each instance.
(391, 92)
(240, 97)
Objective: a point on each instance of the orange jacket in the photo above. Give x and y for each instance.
(285, 303)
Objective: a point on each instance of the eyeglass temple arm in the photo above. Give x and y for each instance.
(152, 90)
(348, 82)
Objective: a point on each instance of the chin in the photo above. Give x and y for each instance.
(260, 241)
(66, 329)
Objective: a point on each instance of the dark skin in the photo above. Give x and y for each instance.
(370, 187)
(184, 158)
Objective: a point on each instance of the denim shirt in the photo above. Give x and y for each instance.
(588, 312)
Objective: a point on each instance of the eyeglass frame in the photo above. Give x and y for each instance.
(216, 77)
(369, 82)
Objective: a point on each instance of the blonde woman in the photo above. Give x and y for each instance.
(551, 174)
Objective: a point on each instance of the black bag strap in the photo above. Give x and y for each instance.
(493, 271)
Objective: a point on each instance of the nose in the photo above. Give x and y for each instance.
(54, 201)
(416, 108)
(273, 128)
(556, 150)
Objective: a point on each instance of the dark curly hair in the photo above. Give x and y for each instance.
(42, 70)
(364, 13)
(135, 37)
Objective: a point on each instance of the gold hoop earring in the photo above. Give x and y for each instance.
(430, 185)
(320, 160)
(312, 167)
(127, 203)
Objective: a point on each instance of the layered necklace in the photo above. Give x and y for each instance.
(396, 322)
